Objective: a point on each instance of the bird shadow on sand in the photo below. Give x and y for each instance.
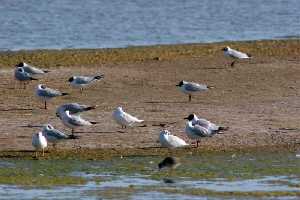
(16, 109)
(103, 132)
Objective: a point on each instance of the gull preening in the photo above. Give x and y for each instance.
(53, 135)
(23, 76)
(45, 93)
(74, 121)
(168, 140)
(74, 108)
(197, 129)
(191, 88)
(205, 123)
(31, 69)
(125, 119)
(39, 142)
(83, 81)
(235, 54)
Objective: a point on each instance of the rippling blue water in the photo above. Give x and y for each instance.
(34, 24)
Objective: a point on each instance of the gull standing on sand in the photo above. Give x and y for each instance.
(39, 142)
(45, 94)
(74, 121)
(236, 55)
(168, 140)
(191, 88)
(53, 135)
(83, 81)
(31, 69)
(23, 76)
(124, 119)
(195, 132)
(74, 108)
(205, 123)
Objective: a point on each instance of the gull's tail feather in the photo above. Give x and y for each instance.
(210, 86)
(94, 122)
(90, 108)
(46, 71)
(64, 93)
(73, 137)
(222, 129)
(31, 78)
(99, 77)
(139, 120)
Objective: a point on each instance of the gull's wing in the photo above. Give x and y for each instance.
(48, 92)
(193, 87)
(83, 79)
(32, 70)
(54, 133)
(176, 141)
(237, 54)
(201, 131)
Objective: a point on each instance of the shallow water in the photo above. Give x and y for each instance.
(57, 24)
(213, 176)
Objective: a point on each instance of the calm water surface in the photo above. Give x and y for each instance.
(209, 176)
(56, 24)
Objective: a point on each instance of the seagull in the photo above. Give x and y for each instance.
(31, 69)
(74, 108)
(191, 87)
(205, 123)
(168, 162)
(53, 135)
(168, 140)
(45, 94)
(83, 81)
(74, 121)
(195, 132)
(39, 142)
(235, 54)
(124, 119)
(23, 76)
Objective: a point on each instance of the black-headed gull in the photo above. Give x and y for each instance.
(53, 135)
(74, 121)
(45, 93)
(235, 54)
(205, 123)
(74, 108)
(168, 140)
(191, 88)
(23, 76)
(39, 142)
(31, 69)
(124, 119)
(83, 81)
(195, 132)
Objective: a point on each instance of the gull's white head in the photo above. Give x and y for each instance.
(120, 109)
(48, 127)
(165, 132)
(20, 69)
(41, 87)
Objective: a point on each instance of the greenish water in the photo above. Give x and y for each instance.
(213, 176)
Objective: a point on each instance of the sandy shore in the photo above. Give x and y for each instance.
(258, 99)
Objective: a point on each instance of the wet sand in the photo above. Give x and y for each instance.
(257, 99)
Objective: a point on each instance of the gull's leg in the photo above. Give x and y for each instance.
(81, 89)
(190, 98)
(198, 141)
(36, 154)
(43, 152)
(72, 131)
(232, 64)
(45, 105)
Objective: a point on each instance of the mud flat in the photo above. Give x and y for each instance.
(258, 99)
